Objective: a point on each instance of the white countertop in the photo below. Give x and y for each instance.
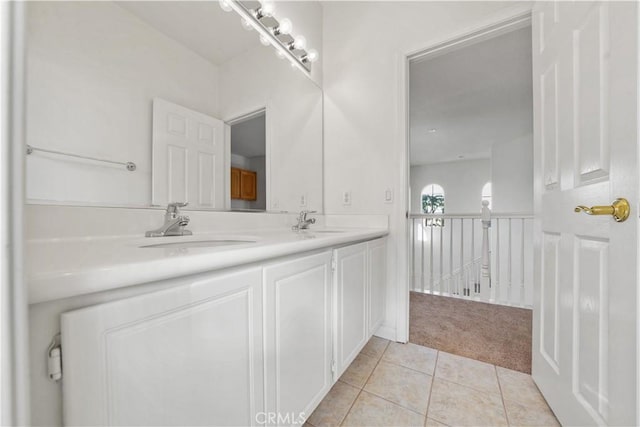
(62, 268)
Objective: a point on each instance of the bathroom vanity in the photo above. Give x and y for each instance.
(244, 320)
(218, 328)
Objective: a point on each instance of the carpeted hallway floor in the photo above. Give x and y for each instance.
(490, 333)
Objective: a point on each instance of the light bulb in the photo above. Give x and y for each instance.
(312, 55)
(224, 5)
(267, 9)
(246, 24)
(265, 41)
(300, 42)
(284, 27)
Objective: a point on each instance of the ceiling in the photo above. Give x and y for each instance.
(466, 100)
(201, 26)
(248, 138)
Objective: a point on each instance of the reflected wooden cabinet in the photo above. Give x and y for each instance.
(243, 184)
(235, 183)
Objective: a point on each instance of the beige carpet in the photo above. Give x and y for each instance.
(491, 333)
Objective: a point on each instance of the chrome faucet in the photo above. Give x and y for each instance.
(174, 223)
(303, 222)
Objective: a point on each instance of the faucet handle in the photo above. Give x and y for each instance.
(304, 213)
(173, 208)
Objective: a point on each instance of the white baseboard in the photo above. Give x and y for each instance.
(387, 332)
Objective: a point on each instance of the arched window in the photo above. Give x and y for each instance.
(486, 193)
(432, 202)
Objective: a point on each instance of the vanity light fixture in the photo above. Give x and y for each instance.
(311, 56)
(224, 5)
(299, 42)
(275, 32)
(246, 25)
(283, 28)
(266, 10)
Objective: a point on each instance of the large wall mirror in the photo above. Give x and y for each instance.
(138, 104)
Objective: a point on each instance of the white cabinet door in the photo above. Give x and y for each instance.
(190, 355)
(298, 336)
(352, 332)
(188, 157)
(377, 260)
(585, 311)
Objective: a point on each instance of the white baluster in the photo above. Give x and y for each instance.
(522, 262)
(485, 281)
(462, 256)
(473, 242)
(509, 266)
(413, 253)
(441, 259)
(431, 258)
(449, 290)
(422, 256)
(497, 273)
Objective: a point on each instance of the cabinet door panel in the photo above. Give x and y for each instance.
(235, 183)
(190, 355)
(351, 297)
(298, 335)
(377, 251)
(248, 182)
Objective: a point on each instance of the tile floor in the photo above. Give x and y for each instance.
(391, 384)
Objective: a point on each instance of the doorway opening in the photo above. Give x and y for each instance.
(248, 162)
(471, 253)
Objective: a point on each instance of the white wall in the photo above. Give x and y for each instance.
(364, 44)
(512, 175)
(93, 69)
(462, 183)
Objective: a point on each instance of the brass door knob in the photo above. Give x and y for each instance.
(619, 209)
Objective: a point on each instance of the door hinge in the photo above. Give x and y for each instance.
(54, 359)
(334, 263)
(334, 367)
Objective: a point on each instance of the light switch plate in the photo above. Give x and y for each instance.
(388, 195)
(346, 198)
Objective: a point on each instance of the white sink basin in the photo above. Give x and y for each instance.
(199, 243)
(327, 231)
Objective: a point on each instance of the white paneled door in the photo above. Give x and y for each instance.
(188, 157)
(585, 360)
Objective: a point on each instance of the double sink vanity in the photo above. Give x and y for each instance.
(213, 328)
(245, 321)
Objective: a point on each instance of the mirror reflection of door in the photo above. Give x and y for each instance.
(248, 163)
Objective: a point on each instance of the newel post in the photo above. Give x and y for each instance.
(485, 276)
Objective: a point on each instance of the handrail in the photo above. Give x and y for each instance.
(515, 215)
(129, 165)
